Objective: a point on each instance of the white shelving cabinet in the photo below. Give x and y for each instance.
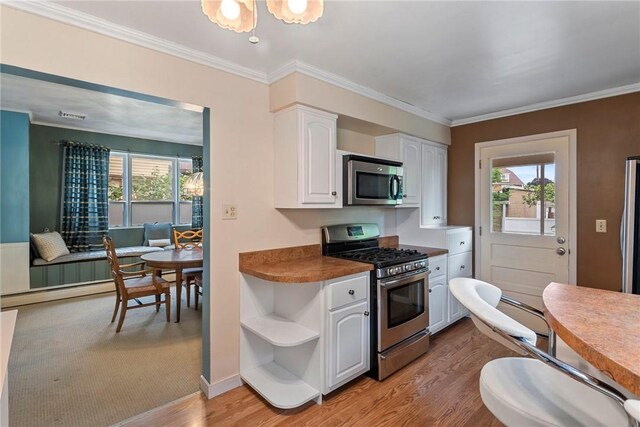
(300, 341)
(305, 159)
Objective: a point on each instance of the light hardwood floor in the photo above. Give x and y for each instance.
(439, 389)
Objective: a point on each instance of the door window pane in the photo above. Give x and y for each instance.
(523, 195)
(151, 179)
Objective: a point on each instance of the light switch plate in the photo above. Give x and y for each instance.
(601, 225)
(229, 212)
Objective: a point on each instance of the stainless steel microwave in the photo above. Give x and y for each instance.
(371, 181)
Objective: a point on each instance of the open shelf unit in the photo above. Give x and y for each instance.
(279, 331)
(280, 340)
(278, 386)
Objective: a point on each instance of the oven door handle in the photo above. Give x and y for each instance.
(403, 281)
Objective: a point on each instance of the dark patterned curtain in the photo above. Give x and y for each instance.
(85, 200)
(196, 201)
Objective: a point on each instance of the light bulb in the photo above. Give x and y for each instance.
(230, 9)
(297, 6)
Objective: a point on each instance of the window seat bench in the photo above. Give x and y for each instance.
(83, 267)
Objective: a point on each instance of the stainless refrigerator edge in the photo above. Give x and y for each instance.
(630, 233)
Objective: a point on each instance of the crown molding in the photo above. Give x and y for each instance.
(339, 81)
(101, 26)
(607, 93)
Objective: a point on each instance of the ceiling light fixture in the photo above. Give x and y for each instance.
(240, 15)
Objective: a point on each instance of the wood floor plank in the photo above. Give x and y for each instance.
(438, 389)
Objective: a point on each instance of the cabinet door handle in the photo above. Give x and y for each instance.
(333, 193)
(461, 243)
(351, 292)
(437, 268)
(430, 290)
(366, 313)
(462, 267)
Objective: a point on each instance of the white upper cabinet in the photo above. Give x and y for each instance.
(305, 159)
(434, 184)
(405, 149)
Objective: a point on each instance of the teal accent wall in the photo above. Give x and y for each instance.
(206, 271)
(14, 177)
(45, 160)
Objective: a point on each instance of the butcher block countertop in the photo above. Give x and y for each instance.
(306, 264)
(299, 264)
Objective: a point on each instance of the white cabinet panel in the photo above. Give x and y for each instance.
(460, 265)
(434, 185)
(318, 158)
(406, 149)
(438, 296)
(347, 290)
(305, 159)
(348, 343)
(460, 241)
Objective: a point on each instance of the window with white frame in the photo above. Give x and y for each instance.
(144, 188)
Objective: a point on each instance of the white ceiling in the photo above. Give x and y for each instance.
(456, 60)
(106, 113)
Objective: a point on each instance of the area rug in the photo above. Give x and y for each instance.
(68, 367)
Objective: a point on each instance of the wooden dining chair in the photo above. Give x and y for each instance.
(187, 240)
(131, 285)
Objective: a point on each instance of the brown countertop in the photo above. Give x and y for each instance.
(601, 326)
(299, 264)
(394, 242)
(429, 251)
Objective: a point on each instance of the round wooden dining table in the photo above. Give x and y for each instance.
(176, 259)
(603, 327)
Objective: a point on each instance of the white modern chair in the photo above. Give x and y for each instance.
(542, 391)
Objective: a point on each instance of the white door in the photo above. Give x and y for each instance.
(440, 172)
(318, 159)
(349, 343)
(411, 168)
(524, 217)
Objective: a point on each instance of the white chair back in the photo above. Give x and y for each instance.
(481, 299)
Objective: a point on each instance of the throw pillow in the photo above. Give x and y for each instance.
(157, 231)
(50, 245)
(160, 243)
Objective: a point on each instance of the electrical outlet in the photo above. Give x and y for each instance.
(601, 225)
(229, 212)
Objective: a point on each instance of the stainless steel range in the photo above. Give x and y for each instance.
(399, 294)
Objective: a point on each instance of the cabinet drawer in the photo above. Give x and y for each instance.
(438, 265)
(460, 241)
(460, 265)
(347, 291)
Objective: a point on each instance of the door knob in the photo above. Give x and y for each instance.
(561, 251)
(561, 240)
(366, 313)
(334, 193)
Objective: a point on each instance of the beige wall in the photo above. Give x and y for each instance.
(356, 142)
(300, 88)
(241, 150)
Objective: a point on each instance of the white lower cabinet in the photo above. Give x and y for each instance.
(348, 344)
(438, 290)
(444, 308)
(300, 341)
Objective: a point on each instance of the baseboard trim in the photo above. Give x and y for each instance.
(220, 387)
(71, 291)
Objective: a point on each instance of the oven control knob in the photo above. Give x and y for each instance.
(417, 265)
(391, 271)
(408, 267)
